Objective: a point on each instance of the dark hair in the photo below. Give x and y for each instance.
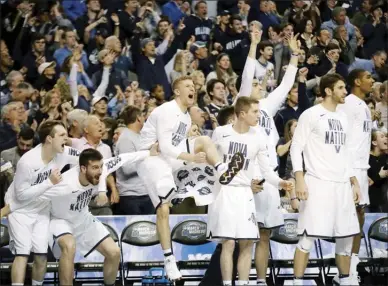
(264, 44)
(243, 104)
(89, 155)
(331, 46)
(197, 4)
(65, 68)
(24, 85)
(36, 37)
(328, 81)
(320, 31)
(369, 100)
(224, 114)
(26, 133)
(234, 17)
(284, 25)
(211, 84)
(129, 114)
(47, 128)
(353, 75)
(164, 18)
(287, 129)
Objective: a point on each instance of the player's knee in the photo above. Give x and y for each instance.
(67, 244)
(343, 246)
(113, 254)
(163, 212)
(305, 244)
(228, 246)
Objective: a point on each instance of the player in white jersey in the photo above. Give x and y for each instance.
(329, 188)
(268, 211)
(37, 171)
(72, 225)
(359, 140)
(232, 215)
(169, 125)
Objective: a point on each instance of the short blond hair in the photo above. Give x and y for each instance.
(179, 80)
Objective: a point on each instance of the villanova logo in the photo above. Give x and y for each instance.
(336, 135)
(265, 122)
(180, 134)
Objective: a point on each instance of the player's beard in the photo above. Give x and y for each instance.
(93, 179)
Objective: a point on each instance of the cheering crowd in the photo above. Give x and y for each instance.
(111, 71)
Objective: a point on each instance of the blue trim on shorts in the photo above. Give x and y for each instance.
(324, 236)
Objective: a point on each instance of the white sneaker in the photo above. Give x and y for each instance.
(171, 268)
(351, 280)
(355, 279)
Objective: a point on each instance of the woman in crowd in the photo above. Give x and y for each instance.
(224, 70)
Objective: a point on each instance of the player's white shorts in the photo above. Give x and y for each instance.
(232, 215)
(329, 210)
(170, 180)
(88, 233)
(29, 232)
(362, 178)
(268, 209)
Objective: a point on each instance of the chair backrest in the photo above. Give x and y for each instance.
(140, 233)
(4, 235)
(190, 232)
(378, 230)
(286, 234)
(112, 232)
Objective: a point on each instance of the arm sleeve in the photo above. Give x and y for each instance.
(112, 164)
(276, 98)
(104, 83)
(262, 159)
(164, 131)
(299, 141)
(162, 48)
(73, 83)
(247, 78)
(24, 188)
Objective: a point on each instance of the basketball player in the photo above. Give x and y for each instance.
(232, 215)
(360, 132)
(37, 171)
(169, 125)
(327, 208)
(72, 225)
(268, 211)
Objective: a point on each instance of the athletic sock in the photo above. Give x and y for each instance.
(354, 260)
(298, 280)
(36, 283)
(261, 282)
(227, 283)
(344, 278)
(167, 252)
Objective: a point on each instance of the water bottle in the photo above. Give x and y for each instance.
(147, 281)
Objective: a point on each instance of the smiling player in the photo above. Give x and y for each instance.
(169, 125)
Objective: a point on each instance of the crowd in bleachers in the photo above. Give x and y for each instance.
(101, 67)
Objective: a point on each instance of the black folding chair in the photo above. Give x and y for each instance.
(378, 230)
(191, 233)
(141, 234)
(287, 234)
(97, 266)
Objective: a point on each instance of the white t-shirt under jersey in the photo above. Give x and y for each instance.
(253, 147)
(360, 130)
(321, 135)
(32, 177)
(167, 125)
(268, 106)
(69, 199)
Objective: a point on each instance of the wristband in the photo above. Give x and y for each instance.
(293, 199)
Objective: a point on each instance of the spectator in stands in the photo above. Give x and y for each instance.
(282, 52)
(12, 115)
(297, 102)
(378, 172)
(47, 76)
(339, 18)
(215, 88)
(36, 56)
(360, 18)
(25, 142)
(9, 84)
(260, 12)
(203, 60)
(181, 65)
(6, 61)
(75, 122)
(372, 65)
(323, 39)
(172, 10)
(198, 25)
(128, 20)
(220, 28)
(382, 106)
(233, 35)
(70, 46)
(224, 70)
(100, 107)
(150, 17)
(198, 117)
(134, 199)
(22, 92)
(283, 149)
(375, 32)
(347, 53)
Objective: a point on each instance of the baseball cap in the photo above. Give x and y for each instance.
(44, 66)
(102, 32)
(99, 98)
(197, 45)
(224, 13)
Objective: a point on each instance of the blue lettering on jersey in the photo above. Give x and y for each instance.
(367, 123)
(231, 45)
(336, 135)
(112, 163)
(235, 147)
(83, 201)
(42, 177)
(202, 33)
(265, 122)
(180, 134)
(73, 152)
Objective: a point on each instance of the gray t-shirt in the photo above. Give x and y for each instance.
(128, 181)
